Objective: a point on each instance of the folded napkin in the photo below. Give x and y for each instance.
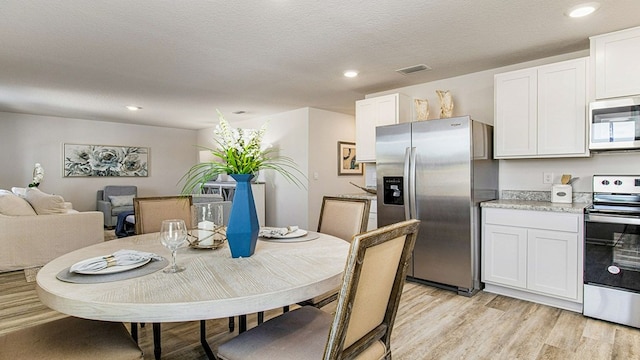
(120, 257)
(271, 231)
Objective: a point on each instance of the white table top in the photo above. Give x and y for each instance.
(214, 285)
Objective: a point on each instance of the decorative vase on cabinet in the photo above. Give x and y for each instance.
(243, 227)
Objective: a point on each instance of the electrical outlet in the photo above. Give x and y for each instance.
(547, 178)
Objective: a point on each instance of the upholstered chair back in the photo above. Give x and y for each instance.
(370, 294)
(343, 217)
(150, 211)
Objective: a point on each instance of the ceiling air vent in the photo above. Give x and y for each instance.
(413, 69)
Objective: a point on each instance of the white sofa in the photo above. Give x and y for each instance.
(33, 237)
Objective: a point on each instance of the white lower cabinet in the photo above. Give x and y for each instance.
(373, 216)
(533, 255)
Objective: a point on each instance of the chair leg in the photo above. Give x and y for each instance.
(134, 331)
(242, 323)
(157, 349)
(203, 340)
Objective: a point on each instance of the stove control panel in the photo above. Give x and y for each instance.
(616, 184)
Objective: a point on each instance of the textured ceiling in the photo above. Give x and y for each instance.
(182, 60)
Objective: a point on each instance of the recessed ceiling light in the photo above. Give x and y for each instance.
(133, 107)
(583, 9)
(350, 73)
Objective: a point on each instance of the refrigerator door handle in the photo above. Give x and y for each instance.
(412, 184)
(405, 181)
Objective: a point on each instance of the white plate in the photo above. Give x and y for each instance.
(110, 269)
(291, 235)
(307, 237)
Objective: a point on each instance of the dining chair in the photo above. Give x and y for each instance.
(367, 304)
(70, 338)
(343, 218)
(150, 211)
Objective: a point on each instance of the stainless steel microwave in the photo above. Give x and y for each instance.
(615, 124)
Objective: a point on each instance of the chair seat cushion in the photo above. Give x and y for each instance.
(115, 211)
(302, 332)
(70, 338)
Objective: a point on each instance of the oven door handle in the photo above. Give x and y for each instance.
(611, 219)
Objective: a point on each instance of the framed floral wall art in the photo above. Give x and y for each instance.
(105, 160)
(347, 164)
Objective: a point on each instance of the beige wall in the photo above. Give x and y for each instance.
(27, 139)
(473, 95)
(326, 129)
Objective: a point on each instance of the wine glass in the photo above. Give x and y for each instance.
(173, 233)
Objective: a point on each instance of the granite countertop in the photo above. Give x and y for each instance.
(360, 195)
(576, 207)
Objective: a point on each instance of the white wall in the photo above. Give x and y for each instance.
(29, 139)
(310, 137)
(473, 95)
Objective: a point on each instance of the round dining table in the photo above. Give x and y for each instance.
(213, 285)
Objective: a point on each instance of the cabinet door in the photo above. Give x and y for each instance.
(516, 113)
(387, 108)
(562, 103)
(365, 130)
(617, 68)
(553, 263)
(370, 113)
(504, 255)
(373, 216)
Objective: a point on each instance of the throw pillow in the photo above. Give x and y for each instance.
(13, 205)
(45, 204)
(19, 191)
(121, 200)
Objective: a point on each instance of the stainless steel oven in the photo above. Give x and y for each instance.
(612, 250)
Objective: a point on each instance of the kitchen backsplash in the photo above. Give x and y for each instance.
(370, 175)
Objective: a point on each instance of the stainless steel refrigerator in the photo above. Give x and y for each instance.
(438, 171)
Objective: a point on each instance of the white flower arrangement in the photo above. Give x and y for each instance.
(38, 175)
(239, 151)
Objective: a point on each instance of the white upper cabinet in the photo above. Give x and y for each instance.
(616, 61)
(516, 113)
(541, 112)
(377, 111)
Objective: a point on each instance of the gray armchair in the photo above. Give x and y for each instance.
(114, 200)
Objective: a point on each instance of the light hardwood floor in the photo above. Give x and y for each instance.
(431, 324)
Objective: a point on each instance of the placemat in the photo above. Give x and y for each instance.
(149, 268)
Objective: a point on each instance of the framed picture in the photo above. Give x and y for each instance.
(347, 164)
(105, 160)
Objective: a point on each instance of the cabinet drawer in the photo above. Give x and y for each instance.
(533, 219)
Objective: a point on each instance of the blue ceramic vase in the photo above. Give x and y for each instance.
(243, 227)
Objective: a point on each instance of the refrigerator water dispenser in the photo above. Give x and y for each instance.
(393, 190)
